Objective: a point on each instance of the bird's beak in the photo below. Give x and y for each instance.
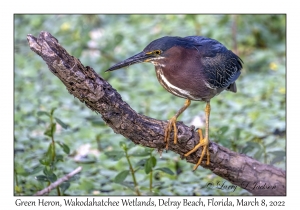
(138, 58)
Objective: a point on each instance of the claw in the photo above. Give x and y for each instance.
(203, 142)
(172, 122)
(168, 129)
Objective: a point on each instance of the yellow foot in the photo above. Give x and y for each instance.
(168, 129)
(202, 142)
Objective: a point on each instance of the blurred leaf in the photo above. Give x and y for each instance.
(59, 158)
(74, 178)
(65, 126)
(223, 130)
(276, 160)
(237, 133)
(64, 186)
(121, 176)
(165, 170)
(42, 178)
(50, 130)
(88, 160)
(53, 128)
(52, 111)
(272, 143)
(153, 161)
(52, 177)
(279, 156)
(36, 169)
(278, 153)
(115, 155)
(137, 168)
(49, 174)
(65, 147)
(51, 152)
(123, 145)
(20, 170)
(143, 153)
(250, 146)
(47, 171)
(47, 158)
(259, 153)
(86, 184)
(96, 120)
(127, 184)
(44, 162)
(40, 113)
(130, 144)
(141, 162)
(150, 164)
(18, 189)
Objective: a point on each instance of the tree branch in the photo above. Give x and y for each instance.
(58, 182)
(98, 95)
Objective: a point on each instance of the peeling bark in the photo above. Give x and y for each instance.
(98, 95)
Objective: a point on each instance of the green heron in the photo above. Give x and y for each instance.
(195, 68)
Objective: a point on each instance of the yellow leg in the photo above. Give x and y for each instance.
(172, 123)
(203, 142)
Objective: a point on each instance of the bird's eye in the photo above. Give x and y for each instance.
(157, 52)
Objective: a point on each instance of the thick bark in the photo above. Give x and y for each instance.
(99, 96)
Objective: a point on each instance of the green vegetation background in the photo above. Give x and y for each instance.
(252, 121)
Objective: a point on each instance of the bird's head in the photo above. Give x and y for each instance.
(155, 52)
